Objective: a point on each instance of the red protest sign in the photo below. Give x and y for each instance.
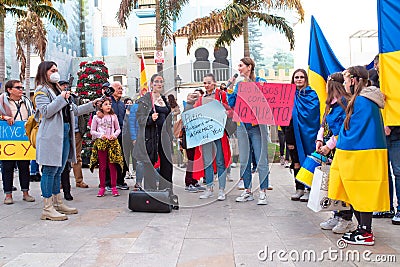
(264, 103)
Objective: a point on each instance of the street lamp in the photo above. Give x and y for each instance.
(178, 81)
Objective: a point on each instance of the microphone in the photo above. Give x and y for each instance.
(230, 83)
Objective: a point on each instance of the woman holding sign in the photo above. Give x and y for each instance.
(221, 146)
(154, 137)
(14, 106)
(251, 136)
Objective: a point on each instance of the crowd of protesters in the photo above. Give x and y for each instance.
(141, 131)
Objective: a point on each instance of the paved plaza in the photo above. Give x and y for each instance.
(201, 233)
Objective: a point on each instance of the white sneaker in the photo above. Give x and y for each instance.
(262, 198)
(221, 195)
(240, 185)
(282, 160)
(229, 177)
(233, 165)
(305, 197)
(207, 194)
(330, 223)
(344, 226)
(245, 196)
(296, 197)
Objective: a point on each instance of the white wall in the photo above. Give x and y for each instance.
(338, 20)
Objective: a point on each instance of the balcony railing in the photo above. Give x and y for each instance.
(146, 4)
(221, 74)
(145, 43)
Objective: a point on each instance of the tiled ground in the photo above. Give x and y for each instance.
(201, 233)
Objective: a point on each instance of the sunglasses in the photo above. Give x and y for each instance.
(19, 87)
(299, 77)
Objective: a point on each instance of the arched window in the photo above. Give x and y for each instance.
(202, 65)
(221, 64)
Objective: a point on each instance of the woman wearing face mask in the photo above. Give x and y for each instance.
(303, 128)
(154, 138)
(251, 137)
(55, 141)
(359, 169)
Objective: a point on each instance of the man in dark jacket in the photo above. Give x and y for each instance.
(119, 109)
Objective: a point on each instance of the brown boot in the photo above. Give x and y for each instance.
(49, 213)
(61, 207)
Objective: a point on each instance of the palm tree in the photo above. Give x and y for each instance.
(234, 21)
(18, 8)
(166, 11)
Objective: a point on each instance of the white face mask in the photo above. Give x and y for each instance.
(55, 77)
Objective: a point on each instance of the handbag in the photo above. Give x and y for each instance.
(182, 137)
(318, 200)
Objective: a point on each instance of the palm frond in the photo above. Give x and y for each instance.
(175, 7)
(285, 4)
(200, 27)
(279, 23)
(229, 35)
(15, 12)
(52, 15)
(125, 9)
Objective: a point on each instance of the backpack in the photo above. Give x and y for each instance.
(31, 125)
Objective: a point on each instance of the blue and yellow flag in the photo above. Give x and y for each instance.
(359, 172)
(321, 63)
(389, 58)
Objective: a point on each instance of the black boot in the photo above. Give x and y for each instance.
(68, 196)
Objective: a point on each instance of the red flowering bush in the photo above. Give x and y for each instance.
(91, 76)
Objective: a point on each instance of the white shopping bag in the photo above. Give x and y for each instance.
(318, 200)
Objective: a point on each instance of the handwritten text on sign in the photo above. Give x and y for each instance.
(14, 144)
(204, 124)
(269, 103)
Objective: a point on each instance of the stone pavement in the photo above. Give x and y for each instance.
(201, 233)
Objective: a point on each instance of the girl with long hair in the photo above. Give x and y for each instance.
(303, 128)
(358, 174)
(251, 137)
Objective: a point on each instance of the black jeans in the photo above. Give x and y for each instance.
(282, 145)
(189, 168)
(364, 219)
(65, 182)
(7, 172)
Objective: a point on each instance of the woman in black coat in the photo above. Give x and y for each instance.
(154, 140)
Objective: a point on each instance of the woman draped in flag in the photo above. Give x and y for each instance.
(335, 113)
(359, 170)
(303, 128)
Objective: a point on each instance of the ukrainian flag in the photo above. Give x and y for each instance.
(389, 58)
(359, 172)
(321, 63)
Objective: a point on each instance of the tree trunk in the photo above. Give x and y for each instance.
(2, 54)
(82, 28)
(28, 71)
(246, 51)
(159, 42)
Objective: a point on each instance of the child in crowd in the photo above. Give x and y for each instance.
(106, 149)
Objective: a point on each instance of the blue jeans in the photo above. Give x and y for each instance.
(208, 156)
(51, 175)
(34, 168)
(256, 138)
(394, 159)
